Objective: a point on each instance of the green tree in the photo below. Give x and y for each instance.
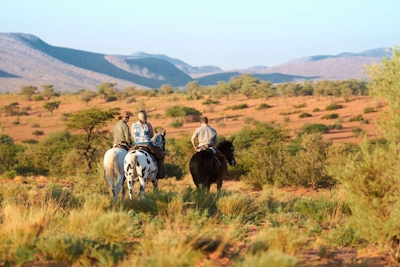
(37, 133)
(28, 91)
(371, 179)
(8, 153)
(194, 91)
(48, 91)
(166, 89)
(51, 106)
(87, 96)
(106, 89)
(90, 123)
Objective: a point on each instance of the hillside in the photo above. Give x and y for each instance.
(27, 60)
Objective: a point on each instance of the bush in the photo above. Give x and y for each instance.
(356, 118)
(330, 116)
(263, 106)
(300, 106)
(176, 124)
(130, 99)
(111, 99)
(315, 128)
(333, 106)
(316, 110)
(35, 125)
(236, 107)
(190, 114)
(210, 102)
(356, 132)
(368, 110)
(305, 115)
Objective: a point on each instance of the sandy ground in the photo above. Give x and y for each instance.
(226, 121)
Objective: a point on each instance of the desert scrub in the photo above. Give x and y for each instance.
(333, 106)
(209, 101)
(303, 105)
(316, 110)
(330, 116)
(176, 124)
(236, 107)
(368, 110)
(315, 128)
(189, 114)
(305, 115)
(356, 118)
(263, 106)
(356, 132)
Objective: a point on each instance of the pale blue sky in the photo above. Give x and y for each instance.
(230, 34)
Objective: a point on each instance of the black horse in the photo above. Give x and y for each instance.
(205, 168)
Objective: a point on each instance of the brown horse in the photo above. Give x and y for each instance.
(205, 168)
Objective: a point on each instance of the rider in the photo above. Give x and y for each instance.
(143, 132)
(207, 137)
(122, 135)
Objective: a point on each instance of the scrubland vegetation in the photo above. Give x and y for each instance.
(57, 209)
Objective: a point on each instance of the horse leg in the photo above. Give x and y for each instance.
(142, 182)
(155, 183)
(123, 188)
(130, 182)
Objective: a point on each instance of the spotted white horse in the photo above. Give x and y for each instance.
(140, 165)
(114, 170)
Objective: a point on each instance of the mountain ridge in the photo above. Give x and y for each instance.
(25, 59)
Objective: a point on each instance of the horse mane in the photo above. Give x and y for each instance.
(223, 144)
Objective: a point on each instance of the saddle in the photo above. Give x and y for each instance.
(145, 148)
(122, 145)
(212, 150)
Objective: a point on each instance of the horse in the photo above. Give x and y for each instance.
(114, 168)
(140, 165)
(205, 167)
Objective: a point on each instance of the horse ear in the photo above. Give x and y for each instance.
(164, 132)
(233, 138)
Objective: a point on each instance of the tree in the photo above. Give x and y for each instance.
(194, 91)
(37, 133)
(48, 91)
(166, 89)
(106, 89)
(87, 96)
(90, 123)
(51, 106)
(371, 179)
(28, 91)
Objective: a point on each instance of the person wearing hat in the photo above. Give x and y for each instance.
(122, 135)
(143, 132)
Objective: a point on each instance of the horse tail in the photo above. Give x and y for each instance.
(110, 166)
(194, 166)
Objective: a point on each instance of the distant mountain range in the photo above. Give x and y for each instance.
(27, 60)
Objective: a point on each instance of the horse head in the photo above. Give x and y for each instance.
(159, 140)
(226, 147)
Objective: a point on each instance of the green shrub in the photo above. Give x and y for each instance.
(305, 115)
(236, 107)
(316, 110)
(333, 106)
(263, 106)
(336, 125)
(30, 141)
(315, 128)
(330, 116)
(368, 110)
(209, 101)
(176, 124)
(35, 125)
(356, 118)
(37, 98)
(111, 99)
(303, 105)
(189, 114)
(356, 132)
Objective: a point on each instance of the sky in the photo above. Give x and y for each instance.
(232, 34)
